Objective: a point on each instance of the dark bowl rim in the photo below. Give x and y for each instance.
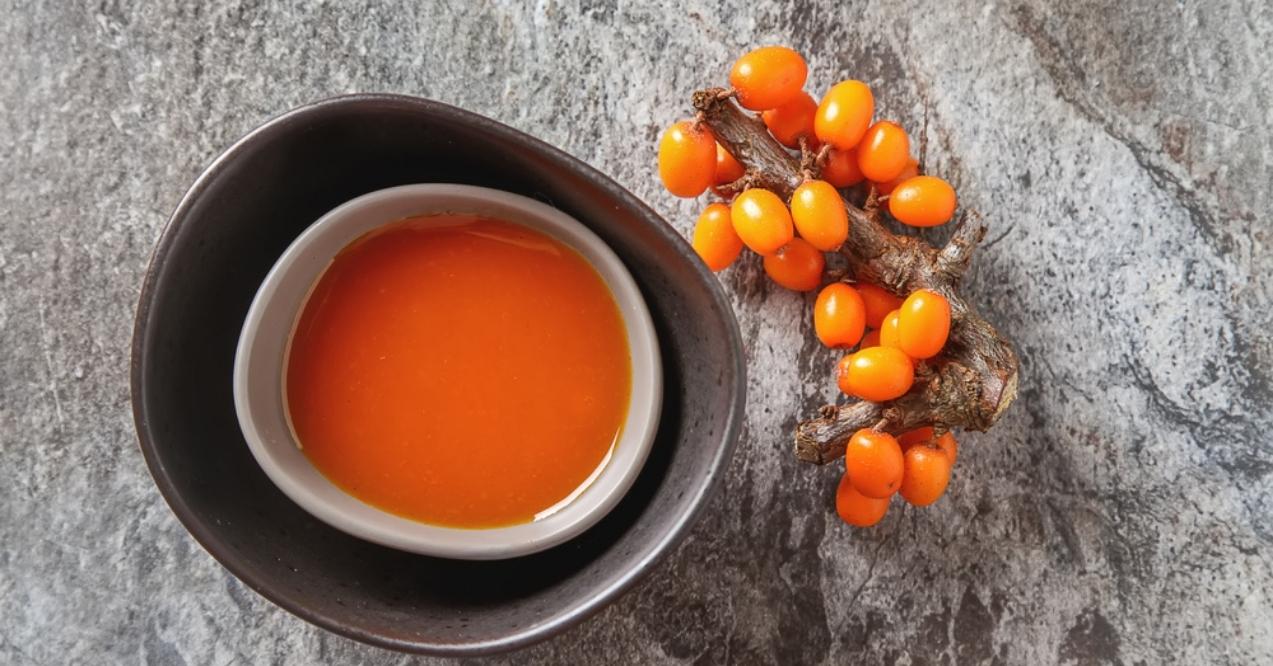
(228, 559)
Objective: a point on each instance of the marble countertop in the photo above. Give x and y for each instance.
(1122, 511)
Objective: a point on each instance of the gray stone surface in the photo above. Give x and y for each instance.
(1121, 512)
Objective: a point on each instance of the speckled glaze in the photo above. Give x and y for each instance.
(226, 235)
(1120, 153)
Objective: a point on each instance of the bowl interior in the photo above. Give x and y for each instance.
(224, 237)
(260, 362)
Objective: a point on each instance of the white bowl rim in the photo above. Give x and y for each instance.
(327, 502)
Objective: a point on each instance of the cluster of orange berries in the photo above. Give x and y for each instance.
(883, 367)
(877, 465)
(890, 335)
(917, 465)
(793, 235)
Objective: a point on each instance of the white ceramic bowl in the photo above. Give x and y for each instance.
(260, 362)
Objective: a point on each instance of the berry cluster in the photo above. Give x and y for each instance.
(889, 335)
(877, 465)
(771, 80)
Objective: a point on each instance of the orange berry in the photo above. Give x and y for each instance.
(876, 374)
(796, 266)
(925, 434)
(839, 318)
(949, 446)
(762, 220)
(926, 474)
(879, 302)
(871, 339)
(819, 215)
(715, 239)
(768, 77)
(841, 169)
(874, 463)
(728, 169)
(889, 335)
(792, 120)
(917, 436)
(687, 158)
(923, 324)
(857, 509)
(922, 201)
(844, 114)
(883, 152)
(910, 171)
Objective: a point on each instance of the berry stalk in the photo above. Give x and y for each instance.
(969, 384)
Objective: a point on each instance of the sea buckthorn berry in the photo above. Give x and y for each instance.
(857, 509)
(946, 443)
(796, 266)
(762, 221)
(792, 120)
(715, 239)
(839, 317)
(879, 302)
(768, 77)
(910, 438)
(923, 324)
(925, 435)
(871, 339)
(883, 152)
(874, 463)
(844, 114)
(926, 474)
(687, 158)
(841, 168)
(949, 446)
(922, 201)
(889, 335)
(910, 171)
(876, 374)
(819, 215)
(728, 169)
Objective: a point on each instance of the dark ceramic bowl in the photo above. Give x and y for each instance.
(226, 233)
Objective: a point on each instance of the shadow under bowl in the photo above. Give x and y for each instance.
(227, 232)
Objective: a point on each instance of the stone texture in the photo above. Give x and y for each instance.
(1119, 514)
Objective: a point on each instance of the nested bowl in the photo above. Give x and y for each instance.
(230, 228)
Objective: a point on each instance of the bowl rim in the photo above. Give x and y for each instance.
(302, 261)
(202, 532)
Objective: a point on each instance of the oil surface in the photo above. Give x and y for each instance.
(459, 371)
